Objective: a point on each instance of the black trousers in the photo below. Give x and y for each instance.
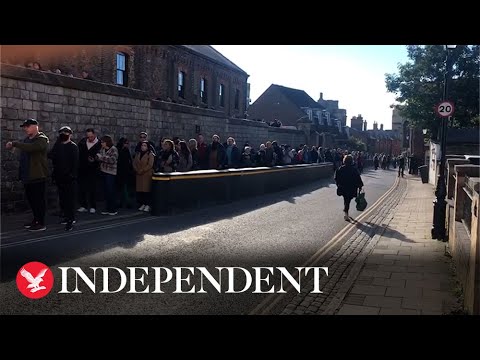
(35, 193)
(401, 169)
(66, 194)
(87, 184)
(346, 202)
(143, 198)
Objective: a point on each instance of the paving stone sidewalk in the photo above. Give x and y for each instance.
(389, 266)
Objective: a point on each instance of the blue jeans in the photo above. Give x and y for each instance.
(109, 189)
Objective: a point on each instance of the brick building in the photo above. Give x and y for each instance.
(335, 112)
(288, 105)
(57, 100)
(195, 75)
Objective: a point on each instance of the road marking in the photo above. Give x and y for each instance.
(19, 232)
(273, 299)
(78, 232)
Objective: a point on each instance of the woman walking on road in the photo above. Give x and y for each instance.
(349, 182)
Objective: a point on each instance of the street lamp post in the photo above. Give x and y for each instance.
(439, 204)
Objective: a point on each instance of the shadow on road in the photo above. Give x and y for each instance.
(72, 246)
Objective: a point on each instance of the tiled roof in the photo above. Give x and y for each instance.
(298, 97)
(209, 52)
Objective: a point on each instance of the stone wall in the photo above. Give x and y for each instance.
(57, 100)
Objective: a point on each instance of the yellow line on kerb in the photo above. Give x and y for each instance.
(273, 299)
(183, 177)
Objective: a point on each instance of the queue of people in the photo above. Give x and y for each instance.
(77, 169)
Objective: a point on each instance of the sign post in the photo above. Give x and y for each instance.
(445, 110)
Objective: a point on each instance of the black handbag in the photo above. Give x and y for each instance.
(339, 191)
(361, 201)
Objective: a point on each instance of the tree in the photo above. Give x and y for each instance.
(419, 85)
(356, 144)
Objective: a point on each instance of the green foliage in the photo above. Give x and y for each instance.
(356, 144)
(419, 85)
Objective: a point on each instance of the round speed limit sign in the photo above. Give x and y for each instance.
(445, 109)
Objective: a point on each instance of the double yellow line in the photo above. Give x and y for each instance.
(272, 300)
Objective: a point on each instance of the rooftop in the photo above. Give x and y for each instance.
(298, 97)
(209, 52)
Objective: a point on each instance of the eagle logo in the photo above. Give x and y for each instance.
(34, 281)
(38, 286)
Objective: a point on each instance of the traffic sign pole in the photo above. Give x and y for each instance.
(445, 110)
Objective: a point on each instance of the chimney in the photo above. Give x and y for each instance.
(375, 125)
(381, 127)
(365, 125)
(321, 96)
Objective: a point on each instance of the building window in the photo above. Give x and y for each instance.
(181, 84)
(203, 90)
(122, 69)
(237, 99)
(221, 95)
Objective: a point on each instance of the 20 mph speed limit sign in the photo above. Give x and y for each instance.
(445, 109)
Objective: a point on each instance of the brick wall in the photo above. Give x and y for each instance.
(151, 68)
(57, 100)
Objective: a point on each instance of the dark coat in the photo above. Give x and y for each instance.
(125, 172)
(221, 155)
(269, 157)
(348, 180)
(33, 158)
(202, 156)
(195, 164)
(235, 156)
(279, 155)
(65, 162)
(260, 158)
(86, 167)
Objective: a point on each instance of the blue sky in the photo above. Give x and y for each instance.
(352, 74)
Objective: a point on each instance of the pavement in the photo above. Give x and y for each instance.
(389, 265)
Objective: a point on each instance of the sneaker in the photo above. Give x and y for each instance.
(69, 226)
(65, 221)
(141, 208)
(113, 213)
(147, 208)
(37, 227)
(105, 212)
(92, 211)
(29, 225)
(82, 209)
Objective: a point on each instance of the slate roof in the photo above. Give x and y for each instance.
(209, 52)
(299, 97)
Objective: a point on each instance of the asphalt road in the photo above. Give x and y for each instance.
(281, 229)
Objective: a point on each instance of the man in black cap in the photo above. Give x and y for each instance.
(33, 171)
(64, 157)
